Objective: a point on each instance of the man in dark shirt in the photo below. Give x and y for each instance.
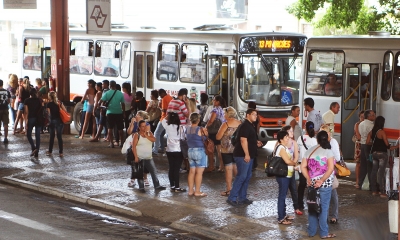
(5, 97)
(244, 153)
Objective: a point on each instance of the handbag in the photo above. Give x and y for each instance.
(137, 170)
(313, 200)
(208, 143)
(154, 113)
(65, 117)
(276, 166)
(183, 143)
(130, 158)
(341, 169)
(214, 127)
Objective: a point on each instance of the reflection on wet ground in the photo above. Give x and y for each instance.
(93, 170)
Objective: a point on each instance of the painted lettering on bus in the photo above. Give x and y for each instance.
(284, 44)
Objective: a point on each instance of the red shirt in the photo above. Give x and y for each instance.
(179, 107)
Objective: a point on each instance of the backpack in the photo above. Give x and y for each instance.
(234, 137)
(130, 158)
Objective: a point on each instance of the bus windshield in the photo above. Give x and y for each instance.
(271, 80)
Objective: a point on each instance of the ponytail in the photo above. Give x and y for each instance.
(322, 139)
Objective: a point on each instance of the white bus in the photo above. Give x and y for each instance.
(367, 71)
(201, 60)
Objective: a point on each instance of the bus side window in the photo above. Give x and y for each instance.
(32, 55)
(81, 57)
(387, 76)
(107, 62)
(396, 79)
(193, 66)
(167, 61)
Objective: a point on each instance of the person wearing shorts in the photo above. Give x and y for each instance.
(196, 155)
(115, 111)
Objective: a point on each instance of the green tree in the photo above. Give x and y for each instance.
(350, 15)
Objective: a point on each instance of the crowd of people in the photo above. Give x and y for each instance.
(117, 114)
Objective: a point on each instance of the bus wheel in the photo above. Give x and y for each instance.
(77, 116)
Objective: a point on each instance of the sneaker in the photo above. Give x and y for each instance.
(177, 190)
(246, 201)
(132, 183)
(146, 182)
(5, 141)
(233, 203)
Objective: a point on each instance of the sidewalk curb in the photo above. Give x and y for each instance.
(202, 231)
(74, 197)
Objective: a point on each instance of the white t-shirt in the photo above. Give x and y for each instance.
(335, 149)
(310, 142)
(315, 117)
(297, 128)
(174, 135)
(290, 168)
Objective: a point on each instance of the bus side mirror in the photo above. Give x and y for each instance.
(240, 70)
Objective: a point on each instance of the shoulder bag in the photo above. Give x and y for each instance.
(276, 166)
(104, 105)
(341, 168)
(154, 113)
(214, 127)
(65, 117)
(370, 158)
(208, 143)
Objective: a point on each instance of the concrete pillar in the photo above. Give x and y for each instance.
(60, 48)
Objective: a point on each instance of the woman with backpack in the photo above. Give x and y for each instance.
(224, 134)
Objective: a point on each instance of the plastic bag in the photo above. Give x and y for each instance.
(365, 185)
(127, 143)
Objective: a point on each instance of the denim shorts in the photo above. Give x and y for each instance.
(90, 109)
(197, 157)
(21, 107)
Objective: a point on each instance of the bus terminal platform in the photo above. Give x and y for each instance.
(96, 175)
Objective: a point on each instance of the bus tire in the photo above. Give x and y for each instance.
(77, 116)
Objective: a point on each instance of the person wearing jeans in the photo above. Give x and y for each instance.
(282, 151)
(56, 125)
(318, 169)
(32, 106)
(319, 219)
(160, 131)
(380, 145)
(244, 153)
(364, 128)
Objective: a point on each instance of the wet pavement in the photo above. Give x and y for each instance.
(97, 175)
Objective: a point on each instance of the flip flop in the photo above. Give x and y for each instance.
(330, 235)
(201, 195)
(285, 222)
(225, 193)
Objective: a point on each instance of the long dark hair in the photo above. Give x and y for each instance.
(173, 118)
(310, 129)
(221, 101)
(379, 124)
(322, 139)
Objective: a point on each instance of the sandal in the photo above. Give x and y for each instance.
(285, 222)
(226, 193)
(333, 221)
(290, 218)
(201, 195)
(330, 235)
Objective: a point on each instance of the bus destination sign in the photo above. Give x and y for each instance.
(270, 44)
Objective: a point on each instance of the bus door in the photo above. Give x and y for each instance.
(46, 64)
(143, 72)
(359, 83)
(221, 72)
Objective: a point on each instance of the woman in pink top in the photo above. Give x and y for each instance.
(129, 100)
